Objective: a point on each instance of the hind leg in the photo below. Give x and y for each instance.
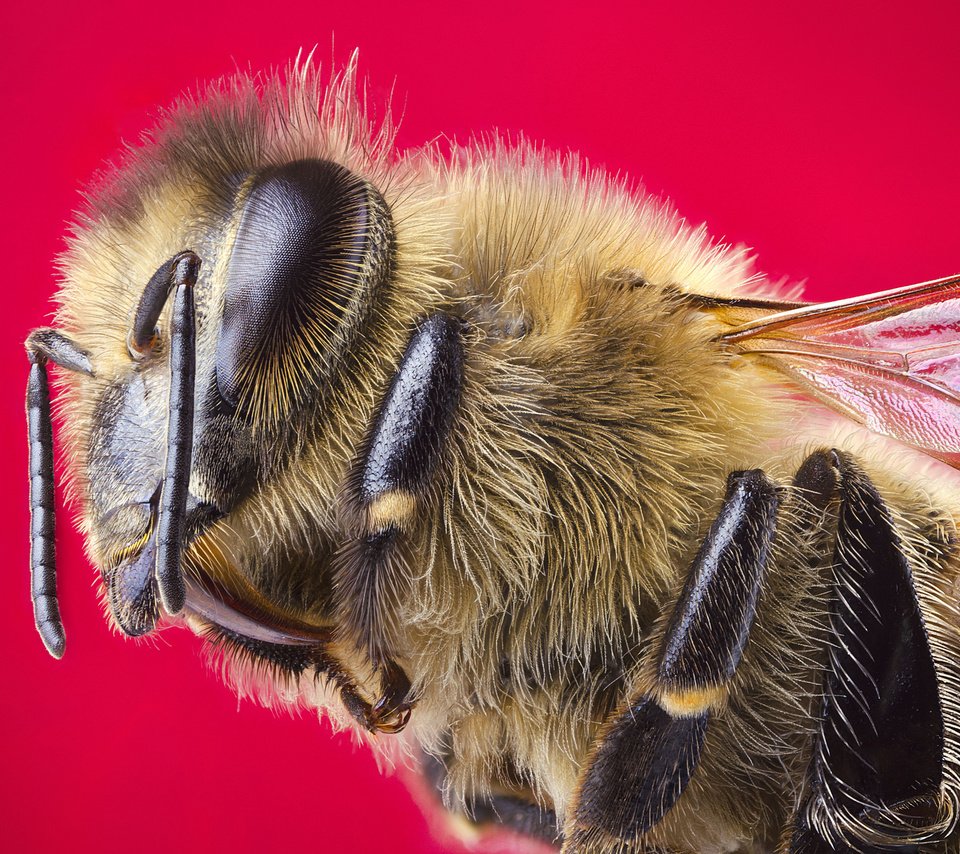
(875, 778)
(876, 772)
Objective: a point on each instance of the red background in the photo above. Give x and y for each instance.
(827, 139)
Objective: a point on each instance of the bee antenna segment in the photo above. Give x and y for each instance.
(181, 268)
(46, 345)
(43, 566)
(176, 476)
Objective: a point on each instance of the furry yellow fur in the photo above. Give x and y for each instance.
(597, 426)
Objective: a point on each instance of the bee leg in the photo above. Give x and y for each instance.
(874, 778)
(397, 464)
(369, 577)
(391, 711)
(648, 751)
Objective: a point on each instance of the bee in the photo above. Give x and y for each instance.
(495, 460)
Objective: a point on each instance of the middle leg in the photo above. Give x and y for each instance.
(647, 753)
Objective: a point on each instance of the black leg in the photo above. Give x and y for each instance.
(648, 752)
(396, 468)
(805, 840)
(517, 814)
(877, 766)
(388, 715)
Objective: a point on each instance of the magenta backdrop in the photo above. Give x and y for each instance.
(827, 139)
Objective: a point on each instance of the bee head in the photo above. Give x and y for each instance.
(236, 292)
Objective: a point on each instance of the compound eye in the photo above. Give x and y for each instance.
(313, 243)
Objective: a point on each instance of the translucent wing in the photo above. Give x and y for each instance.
(890, 361)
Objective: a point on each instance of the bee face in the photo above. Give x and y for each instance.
(476, 443)
(303, 288)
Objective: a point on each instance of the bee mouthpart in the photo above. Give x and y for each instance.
(208, 606)
(214, 607)
(131, 578)
(132, 587)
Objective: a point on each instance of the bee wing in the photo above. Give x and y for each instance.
(890, 361)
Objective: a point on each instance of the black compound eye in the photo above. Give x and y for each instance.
(313, 242)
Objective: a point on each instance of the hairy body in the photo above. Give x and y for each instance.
(598, 421)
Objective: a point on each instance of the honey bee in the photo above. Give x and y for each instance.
(497, 461)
